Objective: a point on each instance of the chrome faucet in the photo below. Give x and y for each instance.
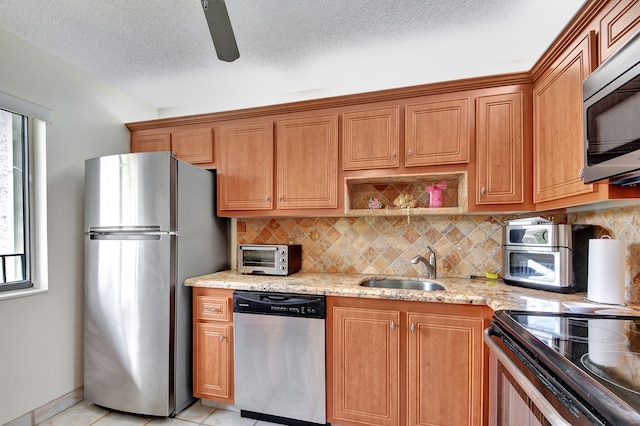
(430, 264)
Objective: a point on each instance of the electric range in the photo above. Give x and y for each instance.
(589, 362)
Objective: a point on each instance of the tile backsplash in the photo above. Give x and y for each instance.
(465, 244)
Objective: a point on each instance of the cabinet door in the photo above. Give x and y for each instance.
(370, 139)
(437, 133)
(150, 143)
(245, 171)
(558, 125)
(444, 370)
(366, 366)
(307, 156)
(618, 25)
(499, 152)
(193, 146)
(213, 345)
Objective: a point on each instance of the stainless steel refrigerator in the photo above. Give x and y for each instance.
(150, 223)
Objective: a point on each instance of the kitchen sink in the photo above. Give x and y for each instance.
(403, 284)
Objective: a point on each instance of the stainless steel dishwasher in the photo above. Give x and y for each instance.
(280, 357)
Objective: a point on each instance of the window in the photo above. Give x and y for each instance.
(23, 197)
(15, 259)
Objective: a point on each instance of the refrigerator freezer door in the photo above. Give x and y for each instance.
(130, 190)
(127, 327)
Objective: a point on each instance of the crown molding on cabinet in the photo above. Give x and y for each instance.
(339, 101)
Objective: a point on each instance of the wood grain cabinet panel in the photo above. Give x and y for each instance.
(499, 149)
(437, 133)
(212, 361)
(558, 125)
(618, 25)
(405, 363)
(213, 344)
(370, 139)
(193, 146)
(150, 143)
(245, 170)
(366, 366)
(307, 162)
(444, 370)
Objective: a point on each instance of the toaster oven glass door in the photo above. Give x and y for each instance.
(540, 267)
(259, 257)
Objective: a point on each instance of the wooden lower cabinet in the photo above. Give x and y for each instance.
(406, 363)
(213, 344)
(366, 365)
(444, 370)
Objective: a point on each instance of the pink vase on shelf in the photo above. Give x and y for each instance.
(435, 194)
(435, 198)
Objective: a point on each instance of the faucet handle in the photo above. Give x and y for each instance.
(432, 253)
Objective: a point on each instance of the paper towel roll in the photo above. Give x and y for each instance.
(607, 259)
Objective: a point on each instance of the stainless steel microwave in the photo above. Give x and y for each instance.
(269, 259)
(611, 97)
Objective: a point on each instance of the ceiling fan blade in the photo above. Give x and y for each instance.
(220, 27)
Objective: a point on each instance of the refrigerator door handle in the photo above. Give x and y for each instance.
(127, 236)
(128, 233)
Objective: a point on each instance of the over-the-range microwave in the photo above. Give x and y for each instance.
(611, 97)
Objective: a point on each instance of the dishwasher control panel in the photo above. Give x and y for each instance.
(284, 304)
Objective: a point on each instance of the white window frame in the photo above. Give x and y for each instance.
(38, 118)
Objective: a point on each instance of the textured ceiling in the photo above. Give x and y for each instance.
(161, 51)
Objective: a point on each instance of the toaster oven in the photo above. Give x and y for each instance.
(269, 259)
(551, 257)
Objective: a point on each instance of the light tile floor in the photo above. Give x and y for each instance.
(87, 414)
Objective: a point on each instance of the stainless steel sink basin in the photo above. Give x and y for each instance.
(403, 284)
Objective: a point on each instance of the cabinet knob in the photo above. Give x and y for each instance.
(221, 338)
(393, 155)
(581, 173)
(266, 198)
(410, 154)
(393, 325)
(413, 328)
(483, 191)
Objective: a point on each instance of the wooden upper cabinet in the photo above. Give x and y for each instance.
(558, 125)
(366, 366)
(437, 132)
(370, 139)
(500, 149)
(617, 25)
(445, 386)
(193, 146)
(245, 170)
(151, 143)
(307, 162)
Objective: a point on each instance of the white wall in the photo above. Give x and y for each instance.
(41, 336)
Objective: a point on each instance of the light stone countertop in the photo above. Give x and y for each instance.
(494, 294)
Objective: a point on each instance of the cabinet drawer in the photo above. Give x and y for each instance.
(212, 308)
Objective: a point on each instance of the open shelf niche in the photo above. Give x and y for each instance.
(386, 189)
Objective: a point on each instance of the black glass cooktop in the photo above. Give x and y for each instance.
(597, 356)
